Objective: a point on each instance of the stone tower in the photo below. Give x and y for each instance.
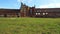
(24, 10)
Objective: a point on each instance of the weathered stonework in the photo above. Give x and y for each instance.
(26, 11)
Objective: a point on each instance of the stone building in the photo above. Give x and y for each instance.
(9, 12)
(26, 11)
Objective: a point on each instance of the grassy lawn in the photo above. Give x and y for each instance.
(29, 25)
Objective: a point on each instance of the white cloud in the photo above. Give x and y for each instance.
(51, 5)
(20, 0)
(29, 1)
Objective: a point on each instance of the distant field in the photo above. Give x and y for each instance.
(29, 25)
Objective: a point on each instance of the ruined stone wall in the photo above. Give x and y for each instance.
(8, 13)
(47, 12)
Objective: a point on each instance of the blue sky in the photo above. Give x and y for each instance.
(15, 4)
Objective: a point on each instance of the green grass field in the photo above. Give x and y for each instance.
(29, 25)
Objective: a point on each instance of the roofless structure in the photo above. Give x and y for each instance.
(26, 11)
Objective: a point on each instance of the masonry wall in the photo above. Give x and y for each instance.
(53, 12)
(8, 13)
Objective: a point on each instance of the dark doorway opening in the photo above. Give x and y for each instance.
(5, 15)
